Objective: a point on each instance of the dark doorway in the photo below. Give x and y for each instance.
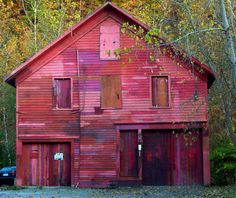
(172, 158)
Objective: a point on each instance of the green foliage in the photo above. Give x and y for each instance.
(108, 52)
(15, 188)
(152, 37)
(223, 166)
(7, 125)
(117, 52)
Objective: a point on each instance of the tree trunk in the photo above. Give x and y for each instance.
(220, 85)
(6, 135)
(230, 43)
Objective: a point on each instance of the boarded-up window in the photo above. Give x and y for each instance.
(111, 91)
(160, 96)
(62, 93)
(109, 42)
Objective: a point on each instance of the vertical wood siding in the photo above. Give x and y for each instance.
(40, 168)
(168, 160)
(62, 96)
(111, 91)
(95, 154)
(129, 153)
(160, 91)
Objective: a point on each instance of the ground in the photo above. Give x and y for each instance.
(122, 192)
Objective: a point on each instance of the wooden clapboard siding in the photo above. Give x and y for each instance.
(97, 126)
(136, 100)
(136, 82)
(91, 129)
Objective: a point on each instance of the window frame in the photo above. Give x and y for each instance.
(168, 91)
(54, 106)
(120, 106)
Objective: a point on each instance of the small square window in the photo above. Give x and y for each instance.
(62, 93)
(160, 93)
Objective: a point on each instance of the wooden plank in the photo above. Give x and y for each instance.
(157, 163)
(62, 93)
(170, 160)
(190, 156)
(206, 161)
(129, 153)
(40, 167)
(111, 91)
(160, 91)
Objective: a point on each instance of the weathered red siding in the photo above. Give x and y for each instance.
(129, 153)
(40, 168)
(90, 129)
(136, 99)
(172, 158)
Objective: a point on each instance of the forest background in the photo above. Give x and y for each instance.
(206, 29)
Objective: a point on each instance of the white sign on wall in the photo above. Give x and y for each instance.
(58, 156)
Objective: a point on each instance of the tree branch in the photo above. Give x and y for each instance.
(196, 32)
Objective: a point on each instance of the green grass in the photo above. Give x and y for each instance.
(217, 191)
(11, 188)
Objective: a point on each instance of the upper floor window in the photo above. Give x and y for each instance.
(160, 91)
(109, 42)
(111, 91)
(62, 93)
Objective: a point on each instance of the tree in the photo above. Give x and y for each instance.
(47, 20)
(10, 54)
(206, 29)
(225, 67)
(26, 26)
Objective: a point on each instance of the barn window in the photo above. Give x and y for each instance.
(62, 93)
(160, 94)
(111, 91)
(109, 42)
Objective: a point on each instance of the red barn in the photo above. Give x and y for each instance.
(89, 118)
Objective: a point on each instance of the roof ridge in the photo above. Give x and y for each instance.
(11, 77)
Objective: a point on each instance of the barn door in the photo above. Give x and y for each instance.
(170, 160)
(129, 153)
(189, 163)
(157, 158)
(46, 164)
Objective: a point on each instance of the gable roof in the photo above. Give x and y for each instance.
(11, 77)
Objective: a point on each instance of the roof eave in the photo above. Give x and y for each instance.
(11, 77)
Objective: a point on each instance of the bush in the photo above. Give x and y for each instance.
(223, 166)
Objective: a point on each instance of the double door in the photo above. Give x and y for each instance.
(165, 158)
(46, 164)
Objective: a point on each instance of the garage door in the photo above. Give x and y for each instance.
(46, 164)
(172, 159)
